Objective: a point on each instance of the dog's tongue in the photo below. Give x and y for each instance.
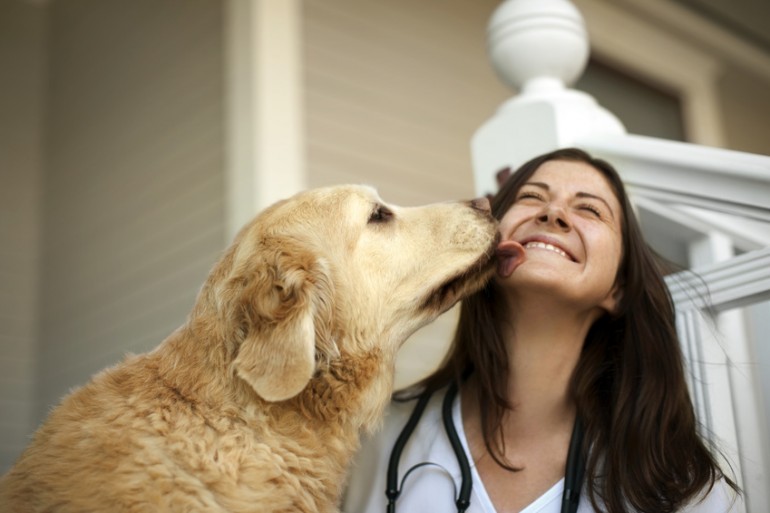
(510, 254)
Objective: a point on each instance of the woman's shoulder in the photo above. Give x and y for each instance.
(398, 413)
(367, 475)
(378, 444)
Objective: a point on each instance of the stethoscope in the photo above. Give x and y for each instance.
(573, 477)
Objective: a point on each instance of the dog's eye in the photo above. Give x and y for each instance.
(381, 214)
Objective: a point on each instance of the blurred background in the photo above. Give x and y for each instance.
(136, 136)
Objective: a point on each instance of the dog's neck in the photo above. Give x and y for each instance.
(350, 390)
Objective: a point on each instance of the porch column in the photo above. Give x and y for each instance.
(263, 87)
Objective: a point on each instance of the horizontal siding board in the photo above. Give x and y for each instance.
(419, 78)
(18, 336)
(420, 34)
(134, 246)
(179, 280)
(17, 295)
(380, 122)
(150, 173)
(410, 158)
(16, 370)
(21, 135)
(394, 92)
(135, 185)
(349, 165)
(120, 306)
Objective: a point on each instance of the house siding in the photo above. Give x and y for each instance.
(133, 214)
(22, 75)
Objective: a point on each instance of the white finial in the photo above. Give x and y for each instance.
(538, 44)
(539, 47)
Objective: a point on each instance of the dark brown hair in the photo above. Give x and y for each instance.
(641, 434)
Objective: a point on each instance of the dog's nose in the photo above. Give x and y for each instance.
(481, 204)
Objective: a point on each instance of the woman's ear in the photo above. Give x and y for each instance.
(613, 300)
(277, 356)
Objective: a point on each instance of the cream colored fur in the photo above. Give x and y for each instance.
(257, 402)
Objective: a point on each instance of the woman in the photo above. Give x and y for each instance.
(572, 348)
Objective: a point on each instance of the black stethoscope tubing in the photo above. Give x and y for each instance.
(573, 477)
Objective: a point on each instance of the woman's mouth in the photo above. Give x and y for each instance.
(547, 247)
(547, 243)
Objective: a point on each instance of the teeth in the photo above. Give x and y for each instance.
(549, 247)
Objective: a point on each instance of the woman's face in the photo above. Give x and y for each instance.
(569, 221)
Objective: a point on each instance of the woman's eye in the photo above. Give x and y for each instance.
(592, 209)
(381, 214)
(529, 194)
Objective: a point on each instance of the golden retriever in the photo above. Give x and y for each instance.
(257, 402)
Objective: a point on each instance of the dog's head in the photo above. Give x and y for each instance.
(335, 271)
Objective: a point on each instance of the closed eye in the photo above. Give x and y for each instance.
(530, 194)
(380, 214)
(592, 209)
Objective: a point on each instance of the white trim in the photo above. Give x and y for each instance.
(239, 94)
(688, 326)
(724, 381)
(689, 174)
(264, 106)
(745, 387)
(690, 222)
(710, 388)
(660, 56)
(746, 234)
(740, 281)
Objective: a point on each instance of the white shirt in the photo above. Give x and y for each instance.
(432, 488)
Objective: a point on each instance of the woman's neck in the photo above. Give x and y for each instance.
(544, 342)
(543, 351)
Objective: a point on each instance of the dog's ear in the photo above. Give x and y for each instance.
(283, 308)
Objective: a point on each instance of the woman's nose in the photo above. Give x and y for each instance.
(555, 216)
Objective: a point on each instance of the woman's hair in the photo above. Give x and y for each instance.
(643, 449)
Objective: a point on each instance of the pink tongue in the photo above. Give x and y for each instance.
(510, 254)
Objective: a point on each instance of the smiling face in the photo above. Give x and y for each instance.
(568, 219)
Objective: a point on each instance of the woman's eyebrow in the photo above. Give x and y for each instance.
(538, 184)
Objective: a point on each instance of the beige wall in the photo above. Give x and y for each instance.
(22, 42)
(127, 191)
(745, 103)
(395, 90)
(134, 194)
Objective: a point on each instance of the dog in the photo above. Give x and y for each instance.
(257, 402)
